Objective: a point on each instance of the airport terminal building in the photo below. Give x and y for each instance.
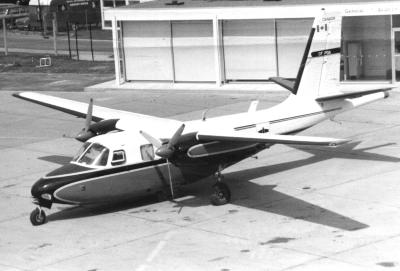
(226, 42)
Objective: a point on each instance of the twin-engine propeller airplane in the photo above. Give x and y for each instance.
(126, 155)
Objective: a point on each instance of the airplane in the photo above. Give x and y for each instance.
(127, 155)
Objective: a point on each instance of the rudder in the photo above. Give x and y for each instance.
(320, 68)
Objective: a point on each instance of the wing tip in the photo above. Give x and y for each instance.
(338, 142)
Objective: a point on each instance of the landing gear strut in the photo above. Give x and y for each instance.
(38, 217)
(222, 194)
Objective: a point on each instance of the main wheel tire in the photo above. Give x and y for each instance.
(222, 194)
(38, 217)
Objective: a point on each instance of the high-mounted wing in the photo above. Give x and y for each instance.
(126, 120)
(270, 138)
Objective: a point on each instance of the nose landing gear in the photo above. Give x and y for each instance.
(38, 217)
(222, 193)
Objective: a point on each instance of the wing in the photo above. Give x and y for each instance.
(126, 120)
(270, 138)
(354, 94)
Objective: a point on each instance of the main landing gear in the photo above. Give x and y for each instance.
(38, 217)
(222, 193)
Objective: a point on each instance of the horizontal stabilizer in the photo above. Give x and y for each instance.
(351, 95)
(270, 138)
(285, 83)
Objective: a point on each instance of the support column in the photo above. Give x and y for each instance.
(117, 59)
(392, 51)
(5, 36)
(276, 47)
(55, 34)
(217, 52)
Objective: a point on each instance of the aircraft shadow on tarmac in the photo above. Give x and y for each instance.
(56, 159)
(251, 195)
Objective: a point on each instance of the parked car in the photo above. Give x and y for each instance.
(23, 23)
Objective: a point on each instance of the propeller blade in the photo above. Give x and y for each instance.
(156, 142)
(170, 180)
(174, 139)
(89, 115)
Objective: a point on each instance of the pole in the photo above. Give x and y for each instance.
(40, 15)
(91, 41)
(55, 36)
(76, 41)
(86, 19)
(69, 40)
(5, 36)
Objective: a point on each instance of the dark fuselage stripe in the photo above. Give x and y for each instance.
(245, 127)
(306, 115)
(58, 181)
(287, 119)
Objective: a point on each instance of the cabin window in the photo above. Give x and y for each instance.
(118, 157)
(147, 152)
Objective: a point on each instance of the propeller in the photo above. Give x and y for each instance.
(93, 129)
(86, 133)
(166, 150)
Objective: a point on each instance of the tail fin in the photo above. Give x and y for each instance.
(320, 68)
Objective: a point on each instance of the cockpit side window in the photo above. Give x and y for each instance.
(118, 157)
(147, 152)
(81, 151)
(102, 161)
(95, 154)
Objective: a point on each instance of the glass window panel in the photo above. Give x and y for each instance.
(147, 152)
(396, 20)
(397, 42)
(249, 49)
(366, 50)
(292, 35)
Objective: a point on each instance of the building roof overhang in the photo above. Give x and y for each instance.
(157, 12)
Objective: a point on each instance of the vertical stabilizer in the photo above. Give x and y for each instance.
(320, 67)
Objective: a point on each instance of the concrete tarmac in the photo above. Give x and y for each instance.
(293, 208)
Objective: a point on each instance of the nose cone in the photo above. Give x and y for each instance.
(57, 178)
(39, 188)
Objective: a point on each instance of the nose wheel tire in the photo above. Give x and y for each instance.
(221, 195)
(38, 217)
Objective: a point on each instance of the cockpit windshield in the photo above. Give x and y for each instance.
(92, 154)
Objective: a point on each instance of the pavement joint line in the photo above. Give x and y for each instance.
(329, 256)
(94, 250)
(14, 218)
(189, 225)
(16, 195)
(12, 266)
(322, 258)
(26, 148)
(358, 200)
(383, 171)
(318, 257)
(332, 255)
(22, 176)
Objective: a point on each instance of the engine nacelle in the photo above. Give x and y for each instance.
(98, 128)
